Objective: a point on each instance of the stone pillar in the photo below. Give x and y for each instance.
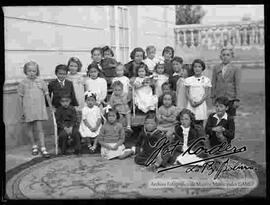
(191, 38)
(199, 37)
(252, 36)
(244, 36)
(261, 30)
(185, 38)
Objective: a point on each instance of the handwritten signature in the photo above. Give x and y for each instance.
(163, 146)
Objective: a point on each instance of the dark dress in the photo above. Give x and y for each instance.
(144, 142)
(57, 90)
(178, 132)
(131, 70)
(173, 80)
(227, 124)
(67, 117)
(168, 68)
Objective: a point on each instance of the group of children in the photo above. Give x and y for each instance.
(170, 93)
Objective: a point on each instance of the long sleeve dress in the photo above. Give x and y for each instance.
(78, 84)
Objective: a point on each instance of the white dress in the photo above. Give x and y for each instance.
(98, 86)
(144, 98)
(197, 90)
(160, 79)
(91, 115)
(126, 83)
(151, 63)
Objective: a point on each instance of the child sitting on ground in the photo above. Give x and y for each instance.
(147, 139)
(112, 137)
(91, 120)
(119, 101)
(220, 126)
(66, 119)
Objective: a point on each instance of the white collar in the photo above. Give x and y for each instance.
(225, 117)
(174, 74)
(61, 81)
(185, 129)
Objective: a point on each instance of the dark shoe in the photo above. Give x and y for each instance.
(152, 168)
(77, 152)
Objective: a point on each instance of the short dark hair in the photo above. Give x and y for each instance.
(178, 59)
(96, 48)
(60, 67)
(168, 48)
(165, 84)
(107, 48)
(75, 60)
(29, 63)
(187, 67)
(222, 100)
(135, 50)
(158, 64)
(188, 112)
(170, 94)
(198, 61)
(142, 65)
(112, 110)
(151, 115)
(93, 65)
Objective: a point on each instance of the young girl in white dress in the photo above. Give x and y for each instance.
(96, 84)
(197, 91)
(74, 67)
(159, 78)
(91, 120)
(123, 79)
(143, 93)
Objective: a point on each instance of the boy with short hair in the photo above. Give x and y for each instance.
(220, 126)
(60, 85)
(68, 128)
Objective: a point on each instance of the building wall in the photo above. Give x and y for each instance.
(155, 26)
(51, 35)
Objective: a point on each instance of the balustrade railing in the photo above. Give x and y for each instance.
(238, 35)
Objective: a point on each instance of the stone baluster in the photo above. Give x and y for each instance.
(191, 38)
(185, 38)
(221, 37)
(252, 35)
(237, 36)
(244, 36)
(261, 30)
(199, 37)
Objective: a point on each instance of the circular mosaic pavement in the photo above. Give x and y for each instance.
(86, 177)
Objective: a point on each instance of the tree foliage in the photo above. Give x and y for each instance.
(189, 14)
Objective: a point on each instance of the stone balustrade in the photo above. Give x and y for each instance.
(241, 35)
